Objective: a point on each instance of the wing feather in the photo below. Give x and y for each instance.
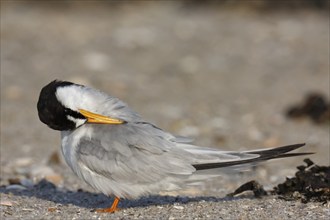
(132, 152)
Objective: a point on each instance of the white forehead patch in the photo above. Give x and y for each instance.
(69, 96)
(77, 97)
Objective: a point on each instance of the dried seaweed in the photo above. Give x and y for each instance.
(310, 184)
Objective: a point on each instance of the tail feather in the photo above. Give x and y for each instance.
(267, 154)
(277, 150)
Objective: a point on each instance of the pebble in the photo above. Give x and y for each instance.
(255, 134)
(7, 203)
(19, 166)
(21, 162)
(28, 210)
(219, 139)
(24, 182)
(262, 172)
(41, 171)
(13, 181)
(27, 183)
(15, 187)
(55, 179)
(179, 207)
(271, 142)
(52, 209)
(54, 158)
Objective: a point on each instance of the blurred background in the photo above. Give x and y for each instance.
(221, 72)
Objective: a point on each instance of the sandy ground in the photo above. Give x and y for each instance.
(223, 76)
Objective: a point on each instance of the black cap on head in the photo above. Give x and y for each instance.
(51, 111)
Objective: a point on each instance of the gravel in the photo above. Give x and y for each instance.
(222, 75)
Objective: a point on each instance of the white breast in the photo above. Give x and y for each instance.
(70, 141)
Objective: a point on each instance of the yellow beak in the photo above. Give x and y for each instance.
(99, 119)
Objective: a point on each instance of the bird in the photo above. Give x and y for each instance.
(115, 151)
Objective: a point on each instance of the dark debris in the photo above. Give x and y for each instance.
(310, 184)
(315, 106)
(254, 186)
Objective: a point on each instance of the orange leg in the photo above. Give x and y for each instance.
(113, 207)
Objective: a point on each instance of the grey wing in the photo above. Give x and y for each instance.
(134, 153)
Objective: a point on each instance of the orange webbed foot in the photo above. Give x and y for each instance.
(111, 209)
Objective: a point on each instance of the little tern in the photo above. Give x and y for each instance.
(117, 152)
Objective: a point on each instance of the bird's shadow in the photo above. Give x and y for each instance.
(48, 191)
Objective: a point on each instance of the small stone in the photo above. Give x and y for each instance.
(54, 158)
(7, 203)
(255, 134)
(27, 183)
(52, 209)
(15, 187)
(179, 207)
(24, 182)
(14, 181)
(22, 162)
(41, 171)
(29, 210)
(55, 179)
(271, 142)
(219, 139)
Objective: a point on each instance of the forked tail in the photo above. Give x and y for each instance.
(274, 153)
